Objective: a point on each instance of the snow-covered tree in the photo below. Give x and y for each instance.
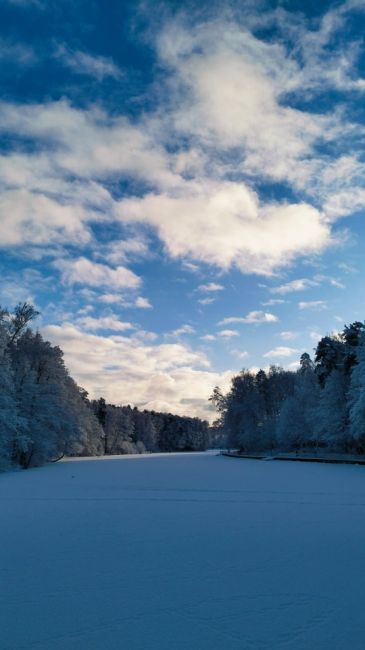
(356, 399)
(9, 416)
(332, 411)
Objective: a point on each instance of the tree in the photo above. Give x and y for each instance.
(356, 399)
(23, 314)
(9, 416)
(296, 423)
(332, 412)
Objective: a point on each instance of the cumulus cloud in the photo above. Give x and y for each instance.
(26, 217)
(110, 298)
(124, 369)
(122, 250)
(84, 271)
(143, 303)
(199, 197)
(223, 223)
(224, 55)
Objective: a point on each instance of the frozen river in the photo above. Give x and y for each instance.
(183, 552)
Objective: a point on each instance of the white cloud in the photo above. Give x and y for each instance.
(89, 144)
(332, 281)
(189, 266)
(280, 351)
(211, 286)
(206, 301)
(317, 305)
(143, 303)
(208, 337)
(199, 212)
(110, 298)
(223, 223)
(120, 251)
(168, 376)
(26, 217)
(293, 366)
(85, 63)
(252, 317)
(295, 285)
(288, 335)
(84, 271)
(17, 53)
(227, 56)
(315, 336)
(227, 334)
(239, 354)
(184, 329)
(272, 302)
(105, 322)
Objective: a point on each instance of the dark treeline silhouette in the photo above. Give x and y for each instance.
(45, 415)
(321, 405)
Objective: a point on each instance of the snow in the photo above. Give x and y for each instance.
(182, 552)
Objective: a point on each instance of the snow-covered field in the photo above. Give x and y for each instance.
(183, 552)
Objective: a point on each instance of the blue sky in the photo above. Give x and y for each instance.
(183, 186)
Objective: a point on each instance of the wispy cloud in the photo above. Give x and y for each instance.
(288, 335)
(18, 53)
(89, 64)
(180, 331)
(273, 301)
(239, 354)
(295, 285)
(210, 286)
(206, 301)
(317, 305)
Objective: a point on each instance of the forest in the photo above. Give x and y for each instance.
(45, 415)
(321, 405)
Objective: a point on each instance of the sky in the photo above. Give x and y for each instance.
(182, 186)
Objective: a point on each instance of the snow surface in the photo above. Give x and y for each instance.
(183, 552)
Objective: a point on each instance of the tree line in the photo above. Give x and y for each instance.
(45, 415)
(321, 405)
